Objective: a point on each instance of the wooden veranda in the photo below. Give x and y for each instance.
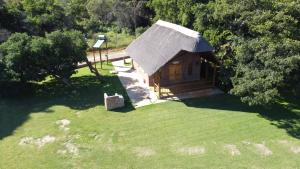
(165, 90)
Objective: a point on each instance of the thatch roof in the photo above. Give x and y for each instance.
(161, 42)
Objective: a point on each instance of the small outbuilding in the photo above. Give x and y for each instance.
(173, 59)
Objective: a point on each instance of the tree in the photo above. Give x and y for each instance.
(132, 13)
(3, 14)
(258, 43)
(264, 69)
(101, 10)
(165, 10)
(77, 15)
(17, 60)
(176, 11)
(25, 58)
(9, 19)
(44, 15)
(67, 50)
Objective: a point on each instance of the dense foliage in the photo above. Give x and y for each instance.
(32, 58)
(37, 17)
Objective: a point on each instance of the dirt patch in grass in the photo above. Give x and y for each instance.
(293, 148)
(144, 152)
(260, 148)
(26, 141)
(39, 142)
(69, 148)
(78, 113)
(233, 150)
(191, 150)
(72, 148)
(263, 149)
(63, 124)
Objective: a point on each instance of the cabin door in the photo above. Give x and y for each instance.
(175, 72)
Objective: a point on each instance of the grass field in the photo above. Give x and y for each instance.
(60, 127)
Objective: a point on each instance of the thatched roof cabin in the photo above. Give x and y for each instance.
(168, 54)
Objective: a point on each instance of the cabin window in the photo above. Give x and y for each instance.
(190, 69)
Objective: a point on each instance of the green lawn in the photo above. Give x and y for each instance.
(197, 133)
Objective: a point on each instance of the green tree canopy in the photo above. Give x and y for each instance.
(25, 58)
(45, 16)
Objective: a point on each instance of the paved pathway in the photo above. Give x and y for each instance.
(138, 92)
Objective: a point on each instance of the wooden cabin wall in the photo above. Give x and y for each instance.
(200, 69)
(190, 67)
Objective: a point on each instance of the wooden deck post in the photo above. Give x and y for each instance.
(214, 75)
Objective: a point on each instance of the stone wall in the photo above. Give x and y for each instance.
(113, 102)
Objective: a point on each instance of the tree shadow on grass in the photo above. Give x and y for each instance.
(285, 116)
(86, 92)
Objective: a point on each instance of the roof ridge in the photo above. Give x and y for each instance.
(179, 28)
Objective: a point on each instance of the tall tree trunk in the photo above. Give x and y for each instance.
(92, 69)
